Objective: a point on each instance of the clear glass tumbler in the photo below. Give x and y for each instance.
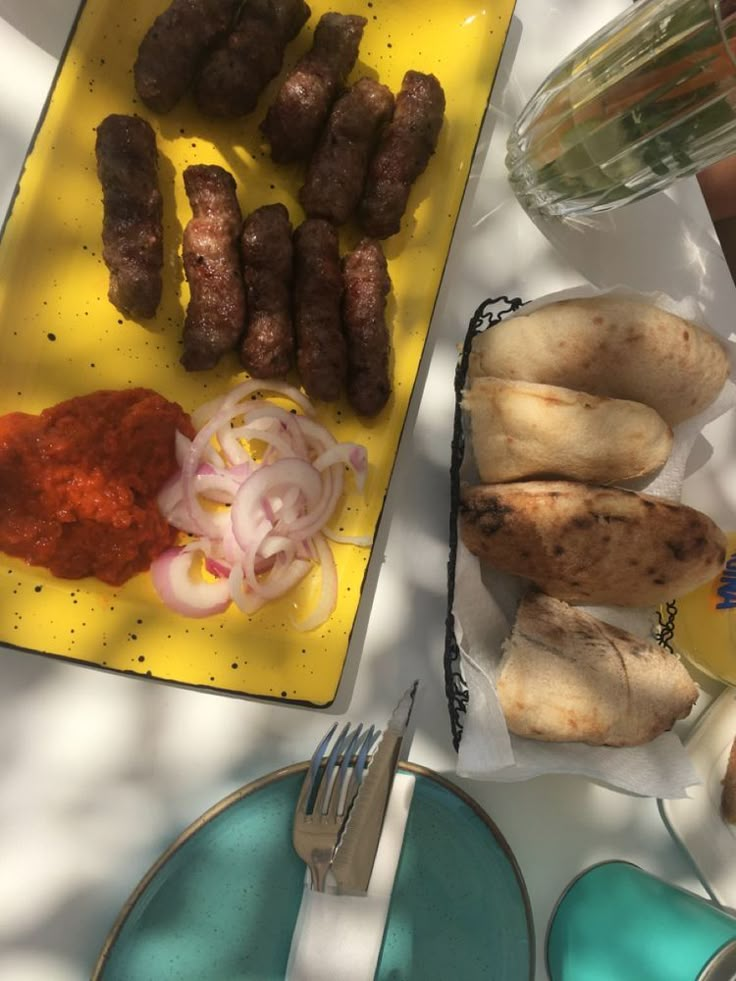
(648, 99)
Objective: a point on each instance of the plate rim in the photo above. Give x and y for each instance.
(274, 777)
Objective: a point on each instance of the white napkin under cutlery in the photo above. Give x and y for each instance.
(339, 938)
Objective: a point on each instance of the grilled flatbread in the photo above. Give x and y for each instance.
(728, 791)
(522, 429)
(609, 346)
(567, 677)
(592, 545)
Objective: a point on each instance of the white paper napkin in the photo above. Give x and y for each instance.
(484, 609)
(338, 938)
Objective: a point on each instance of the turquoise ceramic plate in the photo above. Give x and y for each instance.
(222, 902)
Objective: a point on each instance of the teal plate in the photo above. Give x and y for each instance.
(222, 902)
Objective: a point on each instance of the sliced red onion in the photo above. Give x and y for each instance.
(328, 591)
(182, 446)
(232, 450)
(318, 438)
(170, 495)
(246, 601)
(192, 597)
(273, 436)
(282, 577)
(218, 487)
(269, 480)
(242, 471)
(363, 541)
(352, 455)
(311, 523)
(216, 567)
(257, 485)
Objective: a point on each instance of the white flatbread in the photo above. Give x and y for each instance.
(611, 346)
(523, 429)
(567, 677)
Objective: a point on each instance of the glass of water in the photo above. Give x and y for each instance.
(648, 99)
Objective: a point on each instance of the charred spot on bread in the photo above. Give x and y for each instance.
(489, 514)
(590, 544)
(679, 550)
(582, 521)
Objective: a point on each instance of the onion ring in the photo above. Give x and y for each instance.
(256, 488)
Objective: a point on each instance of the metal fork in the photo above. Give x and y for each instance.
(328, 790)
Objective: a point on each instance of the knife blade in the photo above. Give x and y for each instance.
(355, 854)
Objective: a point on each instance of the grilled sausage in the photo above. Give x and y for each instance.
(321, 354)
(294, 121)
(403, 153)
(173, 47)
(337, 171)
(216, 312)
(236, 72)
(132, 232)
(267, 350)
(366, 285)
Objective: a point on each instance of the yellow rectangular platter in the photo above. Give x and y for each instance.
(60, 337)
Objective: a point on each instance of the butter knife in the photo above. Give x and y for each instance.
(355, 854)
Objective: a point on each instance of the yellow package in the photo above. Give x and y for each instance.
(705, 629)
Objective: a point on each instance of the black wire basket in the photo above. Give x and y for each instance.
(490, 312)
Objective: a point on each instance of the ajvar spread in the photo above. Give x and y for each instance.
(78, 483)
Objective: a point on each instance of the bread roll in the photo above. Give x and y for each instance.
(522, 429)
(610, 346)
(593, 545)
(567, 677)
(728, 790)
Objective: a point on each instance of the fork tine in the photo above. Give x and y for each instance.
(327, 784)
(341, 780)
(356, 775)
(314, 764)
(326, 795)
(367, 745)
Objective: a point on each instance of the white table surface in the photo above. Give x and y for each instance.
(99, 773)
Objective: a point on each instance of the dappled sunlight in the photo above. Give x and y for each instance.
(30, 965)
(104, 770)
(711, 487)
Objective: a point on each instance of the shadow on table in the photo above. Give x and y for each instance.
(675, 254)
(590, 825)
(420, 470)
(44, 22)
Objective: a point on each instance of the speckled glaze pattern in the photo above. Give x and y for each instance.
(61, 337)
(222, 903)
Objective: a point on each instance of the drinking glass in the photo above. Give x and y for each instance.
(616, 922)
(648, 99)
